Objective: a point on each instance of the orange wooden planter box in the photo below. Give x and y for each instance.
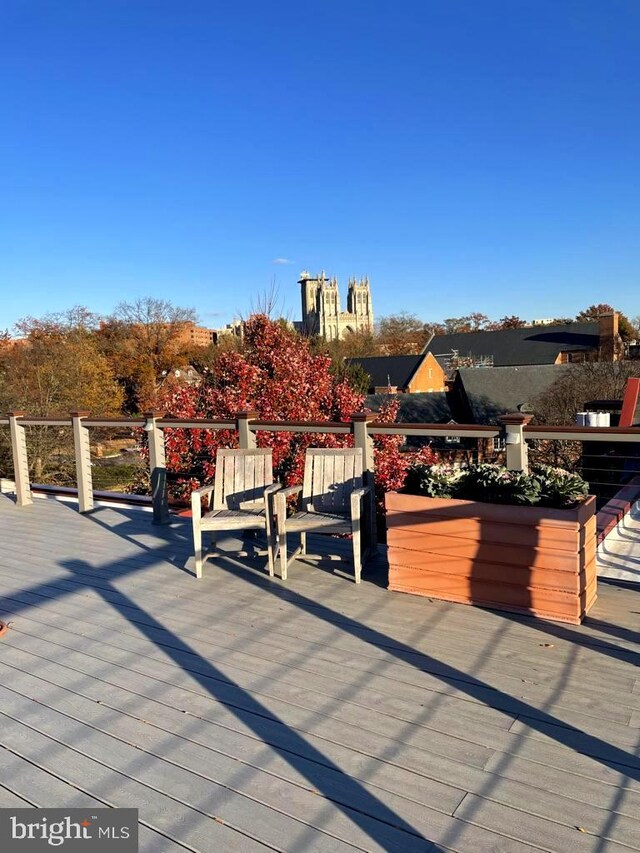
(524, 559)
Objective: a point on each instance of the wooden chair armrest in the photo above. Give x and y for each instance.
(360, 493)
(356, 500)
(290, 490)
(282, 495)
(196, 501)
(203, 491)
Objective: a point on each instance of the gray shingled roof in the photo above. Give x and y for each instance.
(531, 345)
(492, 391)
(386, 370)
(431, 408)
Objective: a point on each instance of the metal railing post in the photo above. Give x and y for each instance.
(517, 452)
(363, 440)
(157, 468)
(20, 458)
(82, 451)
(246, 438)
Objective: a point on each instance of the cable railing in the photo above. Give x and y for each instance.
(519, 438)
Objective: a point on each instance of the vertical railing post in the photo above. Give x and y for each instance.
(363, 440)
(82, 449)
(517, 452)
(20, 459)
(157, 468)
(246, 437)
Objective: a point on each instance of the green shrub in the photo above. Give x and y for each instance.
(558, 487)
(436, 481)
(544, 486)
(497, 485)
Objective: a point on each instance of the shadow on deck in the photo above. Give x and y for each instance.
(241, 713)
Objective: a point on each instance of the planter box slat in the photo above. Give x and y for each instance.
(432, 550)
(562, 539)
(532, 560)
(572, 612)
(527, 515)
(473, 571)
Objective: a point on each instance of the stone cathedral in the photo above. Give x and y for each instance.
(321, 314)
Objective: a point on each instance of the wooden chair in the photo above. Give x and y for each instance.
(239, 499)
(331, 502)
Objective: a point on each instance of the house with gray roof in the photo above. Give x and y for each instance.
(532, 345)
(480, 395)
(405, 374)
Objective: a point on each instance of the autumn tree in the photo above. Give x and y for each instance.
(54, 368)
(576, 385)
(353, 373)
(594, 312)
(512, 322)
(474, 322)
(282, 379)
(142, 340)
(357, 344)
(593, 380)
(401, 334)
(353, 345)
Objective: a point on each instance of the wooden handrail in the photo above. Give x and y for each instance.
(246, 425)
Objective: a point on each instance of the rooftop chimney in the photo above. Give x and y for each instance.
(609, 337)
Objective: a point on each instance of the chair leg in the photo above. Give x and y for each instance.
(303, 543)
(282, 544)
(271, 553)
(269, 529)
(197, 547)
(357, 553)
(271, 547)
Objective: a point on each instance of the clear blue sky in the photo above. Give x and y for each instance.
(465, 154)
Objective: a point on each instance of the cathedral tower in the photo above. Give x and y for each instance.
(321, 314)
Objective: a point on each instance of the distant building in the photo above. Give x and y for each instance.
(321, 314)
(566, 343)
(199, 336)
(196, 336)
(231, 330)
(186, 375)
(403, 374)
(480, 396)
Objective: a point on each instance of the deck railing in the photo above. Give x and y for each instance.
(514, 429)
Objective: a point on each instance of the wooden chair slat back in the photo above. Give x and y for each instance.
(241, 476)
(330, 475)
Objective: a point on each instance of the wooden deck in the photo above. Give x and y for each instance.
(243, 714)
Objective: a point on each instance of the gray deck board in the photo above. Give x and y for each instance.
(318, 666)
(241, 713)
(30, 786)
(167, 815)
(192, 617)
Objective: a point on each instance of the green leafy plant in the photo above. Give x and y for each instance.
(544, 486)
(558, 487)
(495, 484)
(435, 481)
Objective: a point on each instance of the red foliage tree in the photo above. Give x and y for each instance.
(511, 322)
(279, 377)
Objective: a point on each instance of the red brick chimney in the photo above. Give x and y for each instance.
(609, 337)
